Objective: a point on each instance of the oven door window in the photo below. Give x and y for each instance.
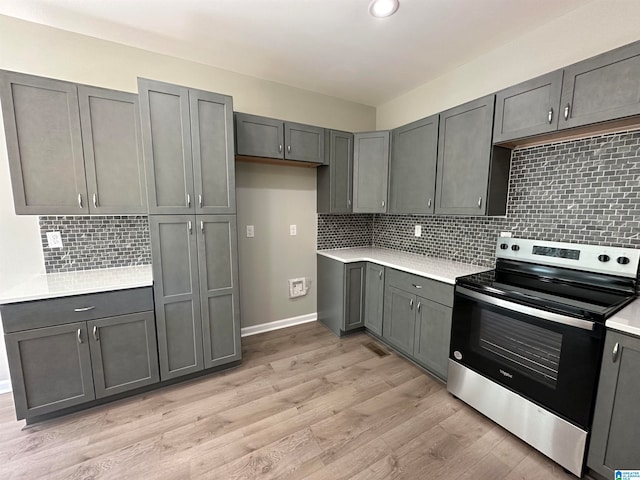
(531, 350)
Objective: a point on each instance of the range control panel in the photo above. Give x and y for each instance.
(593, 258)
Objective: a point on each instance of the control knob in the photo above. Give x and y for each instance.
(604, 258)
(503, 246)
(515, 248)
(623, 260)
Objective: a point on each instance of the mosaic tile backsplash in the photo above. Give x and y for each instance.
(92, 242)
(342, 231)
(585, 191)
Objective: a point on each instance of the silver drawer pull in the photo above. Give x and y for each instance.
(411, 303)
(188, 200)
(84, 309)
(429, 203)
(383, 204)
(280, 148)
(416, 285)
(380, 274)
(200, 200)
(80, 200)
(479, 202)
(419, 305)
(288, 148)
(95, 333)
(614, 354)
(201, 226)
(79, 336)
(189, 227)
(566, 111)
(550, 115)
(95, 200)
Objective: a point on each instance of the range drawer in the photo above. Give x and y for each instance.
(59, 311)
(424, 287)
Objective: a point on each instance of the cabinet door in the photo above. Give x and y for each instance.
(399, 318)
(432, 336)
(370, 172)
(44, 145)
(259, 136)
(412, 171)
(335, 181)
(354, 295)
(615, 436)
(602, 88)
(113, 158)
(304, 143)
(176, 292)
(166, 136)
(124, 354)
(219, 295)
(528, 109)
(50, 368)
(464, 158)
(213, 152)
(374, 298)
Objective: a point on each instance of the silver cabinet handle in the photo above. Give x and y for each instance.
(188, 200)
(429, 203)
(479, 202)
(614, 353)
(416, 285)
(84, 309)
(550, 115)
(380, 274)
(288, 148)
(566, 111)
(80, 200)
(200, 200)
(419, 306)
(190, 227)
(349, 202)
(411, 303)
(79, 336)
(280, 148)
(383, 204)
(95, 200)
(201, 226)
(95, 333)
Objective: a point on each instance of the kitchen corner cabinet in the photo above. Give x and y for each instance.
(188, 148)
(73, 149)
(270, 138)
(472, 175)
(615, 434)
(530, 108)
(374, 298)
(68, 351)
(370, 172)
(196, 291)
(412, 171)
(335, 179)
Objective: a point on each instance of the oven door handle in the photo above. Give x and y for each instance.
(534, 312)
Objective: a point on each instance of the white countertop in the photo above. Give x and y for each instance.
(435, 268)
(626, 320)
(66, 284)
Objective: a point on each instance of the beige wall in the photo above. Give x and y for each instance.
(594, 28)
(270, 197)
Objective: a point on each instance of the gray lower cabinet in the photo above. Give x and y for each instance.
(615, 436)
(196, 291)
(188, 149)
(374, 298)
(472, 175)
(370, 172)
(271, 138)
(412, 171)
(399, 318)
(530, 108)
(432, 336)
(601, 88)
(355, 278)
(335, 178)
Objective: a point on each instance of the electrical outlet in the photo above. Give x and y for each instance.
(54, 239)
(418, 231)
(505, 234)
(250, 231)
(293, 230)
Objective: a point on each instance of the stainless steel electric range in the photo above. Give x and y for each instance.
(527, 339)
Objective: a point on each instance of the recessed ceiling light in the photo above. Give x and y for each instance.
(383, 8)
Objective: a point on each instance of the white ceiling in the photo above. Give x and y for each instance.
(329, 46)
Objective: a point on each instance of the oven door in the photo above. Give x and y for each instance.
(551, 359)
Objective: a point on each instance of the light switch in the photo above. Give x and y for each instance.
(293, 230)
(54, 239)
(250, 232)
(418, 231)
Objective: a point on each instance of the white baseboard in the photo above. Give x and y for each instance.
(284, 323)
(5, 386)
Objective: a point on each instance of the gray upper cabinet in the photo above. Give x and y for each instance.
(374, 298)
(50, 368)
(219, 292)
(124, 355)
(188, 147)
(472, 176)
(602, 88)
(530, 108)
(44, 144)
(412, 172)
(432, 336)
(370, 172)
(355, 277)
(335, 181)
(271, 138)
(177, 299)
(616, 425)
(112, 151)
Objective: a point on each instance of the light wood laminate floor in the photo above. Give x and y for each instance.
(304, 404)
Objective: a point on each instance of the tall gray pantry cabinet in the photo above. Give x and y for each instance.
(189, 156)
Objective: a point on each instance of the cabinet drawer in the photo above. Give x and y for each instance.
(424, 287)
(58, 311)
